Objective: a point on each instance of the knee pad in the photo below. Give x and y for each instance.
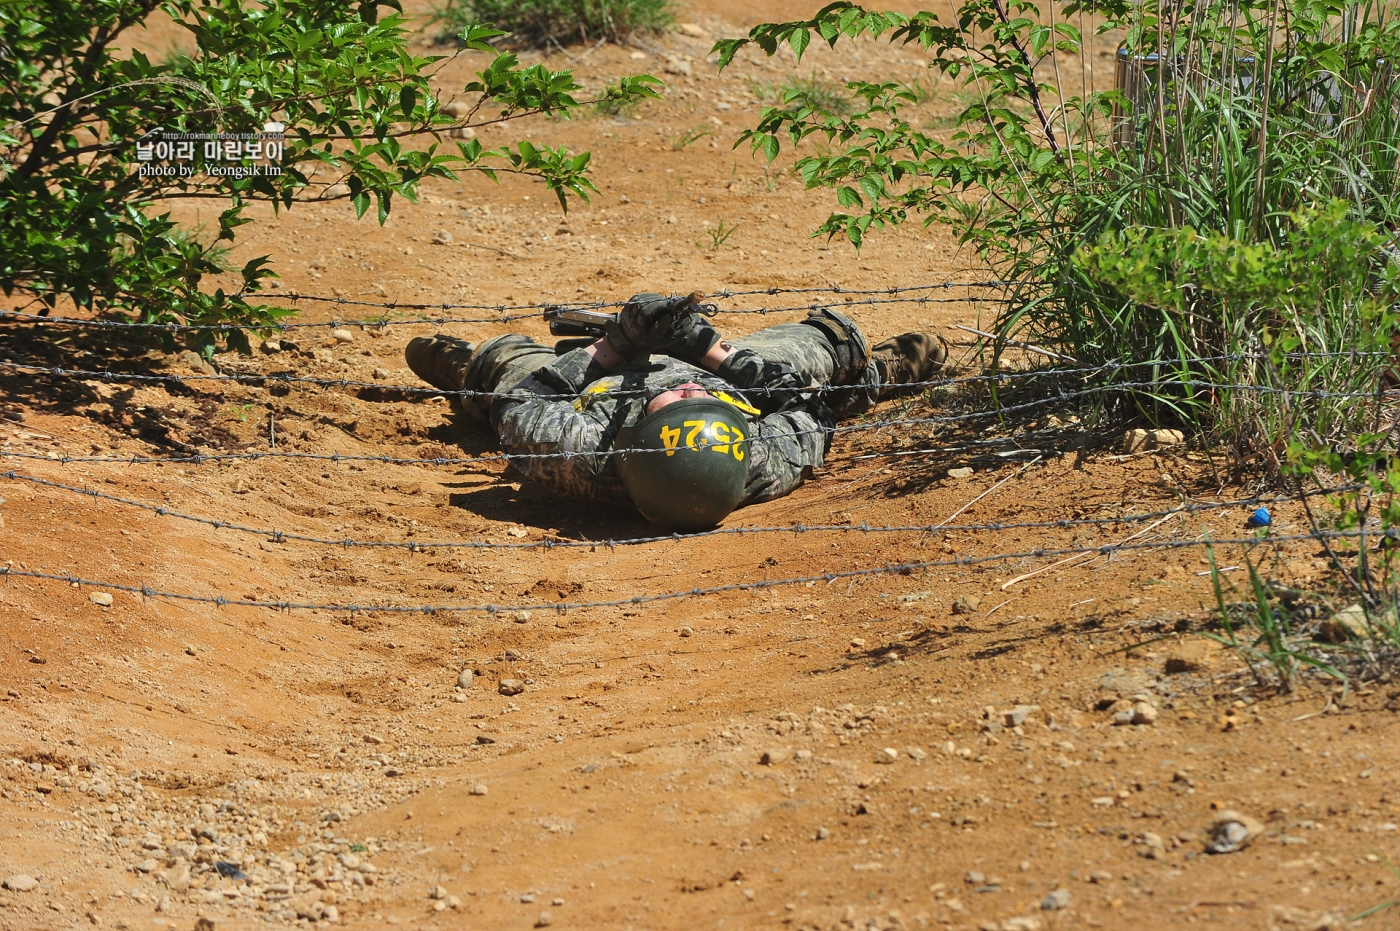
(848, 345)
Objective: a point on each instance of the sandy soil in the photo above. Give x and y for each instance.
(931, 746)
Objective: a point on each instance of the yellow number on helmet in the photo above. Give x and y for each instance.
(738, 438)
(721, 434)
(695, 427)
(670, 436)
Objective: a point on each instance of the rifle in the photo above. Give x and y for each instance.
(569, 321)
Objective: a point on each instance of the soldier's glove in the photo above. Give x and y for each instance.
(646, 324)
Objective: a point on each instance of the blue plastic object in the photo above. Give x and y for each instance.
(1259, 518)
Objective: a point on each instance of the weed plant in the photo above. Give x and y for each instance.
(558, 22)
(1223, 218)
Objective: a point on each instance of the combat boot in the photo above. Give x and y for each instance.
(441, 361)
(907, 359)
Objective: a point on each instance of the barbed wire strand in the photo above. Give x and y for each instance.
(534, 312)
(260, 380)
(1109, 549)
(280, 536)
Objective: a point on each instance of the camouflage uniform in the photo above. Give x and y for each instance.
(557, 404)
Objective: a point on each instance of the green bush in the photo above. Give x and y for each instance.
(1261, 119)
(79, 220)
(540, 22)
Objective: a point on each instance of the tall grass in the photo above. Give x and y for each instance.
(1230, 217)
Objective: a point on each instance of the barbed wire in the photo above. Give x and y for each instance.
(1000, 411)
(279, 536)
(261, 379)
(536, 310)
(1108, 549)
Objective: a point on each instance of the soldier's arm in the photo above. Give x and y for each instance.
(784, 449)
(537, 418)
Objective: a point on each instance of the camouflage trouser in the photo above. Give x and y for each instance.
(501, 363)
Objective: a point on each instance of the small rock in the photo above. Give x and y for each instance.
(1231, 831)
(857, 643)
(442, 238)
(21, 882)
(1192, 656)
(1162, 438)
(887, 755)
(1018, 715)
(464, 679)
(544, 921)
(803, 756)
(975, 878)
(271, 346)
(510, 687)
(1021, 923)
(520, 617)
(676, 65)
(437, 892)
(457, 109)
(556, 902)
(1055, 901)
(967, 604)
(1346, 624)
(342, 335)
(373, 739)
(527, 898)
(1141, 712)
(1135, 441)
(479, 789)
(101, 598)
(687, 632)
(380, 373)
(331, 914)
(774, 756)
(964, 472)
(147, 865)
(335, 190)
(915, 753)
(693, 30)
(1100, 877)
(453, 901)
(823, 833)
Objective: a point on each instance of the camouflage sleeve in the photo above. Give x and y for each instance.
(784, 449)
(771, 385)
(572, 445)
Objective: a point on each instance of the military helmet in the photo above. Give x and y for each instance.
(687, 463)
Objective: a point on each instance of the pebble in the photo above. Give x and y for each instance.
(101, 598)
(1099, 877)
(1055, 901)
(857, 643)
(527, 898)
(437, 892)
(464, 679)
(693, 30)
(373, 739)
(544, 921)
(271, 346)
(966, 604)
(964, 472)
(342, 335)
(510, 687)
(1231, 831)
(887, 755)
(521, 617)
(823, 833)
(687, 632)
(803, 756)
(442, 238)
(1018, 715)
(479, 789)
(335, 190)
(774, 756)
(975, 878)
(147, 865)
(21, 882)
(380, 373)
(1140, 713)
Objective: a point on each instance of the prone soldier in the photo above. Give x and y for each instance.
(663, 412)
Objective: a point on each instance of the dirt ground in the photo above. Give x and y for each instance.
(895, 748)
